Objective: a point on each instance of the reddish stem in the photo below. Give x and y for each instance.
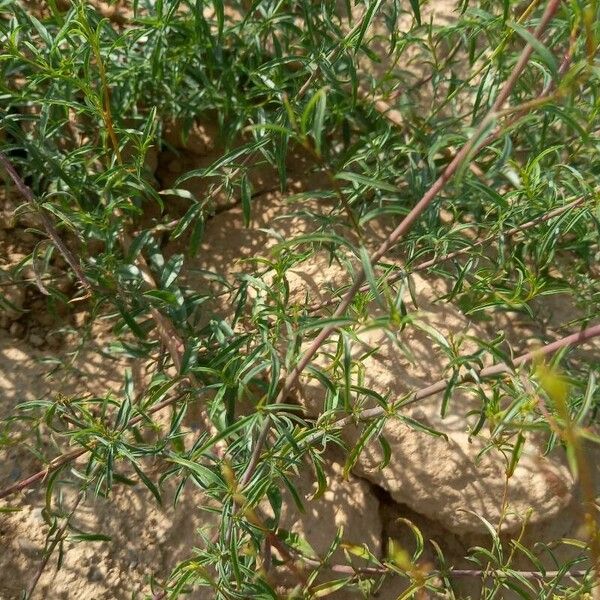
(398, 233)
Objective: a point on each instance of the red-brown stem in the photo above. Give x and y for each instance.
(494, 370)
(63, 459)
(563, 68)
(40, 475)
(406, 224)
(46, 222)
(537, 575)
(440, 259)
(574, 339)
(375, 571)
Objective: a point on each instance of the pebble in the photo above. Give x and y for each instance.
(44, 318)
(54, 340)
(95, 573)
(16, 330)
(36, 340)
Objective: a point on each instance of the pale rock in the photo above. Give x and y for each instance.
(346, 503)
(17, 329)
(442, 478)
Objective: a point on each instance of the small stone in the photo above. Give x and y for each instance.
(17, 330)
(79, 319)
(95, 573)
(44, 318)
(36, 340)
(54, 340)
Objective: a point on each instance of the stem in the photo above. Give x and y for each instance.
(57, 539)
(53, 234)
(400, 231)
(574, 339)
(536, 575)
(467, 249)
(63, 459)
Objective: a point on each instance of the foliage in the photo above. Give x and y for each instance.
(86, 99)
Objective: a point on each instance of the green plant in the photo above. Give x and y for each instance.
(470, 134)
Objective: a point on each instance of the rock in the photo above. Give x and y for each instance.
(54, 339)
(438, 477)
(16, 330)
(79, 319)
(36, 340)
(349, 504)
(443, 478)
(345, 503)
(44, 318)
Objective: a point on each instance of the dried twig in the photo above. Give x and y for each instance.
(53, 234)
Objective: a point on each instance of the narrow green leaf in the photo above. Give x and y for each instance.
(414, 4)
(246, 192)
(89, 537)
(329, 587)
(539, 48)
(365, 259)
(368, 181)
(371, 430)
(148, 483)
(171, 270)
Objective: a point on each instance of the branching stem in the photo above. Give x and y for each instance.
(399, 233)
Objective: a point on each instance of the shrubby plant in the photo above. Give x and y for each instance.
(478, 138)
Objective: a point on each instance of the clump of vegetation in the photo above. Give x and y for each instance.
(475, 138)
